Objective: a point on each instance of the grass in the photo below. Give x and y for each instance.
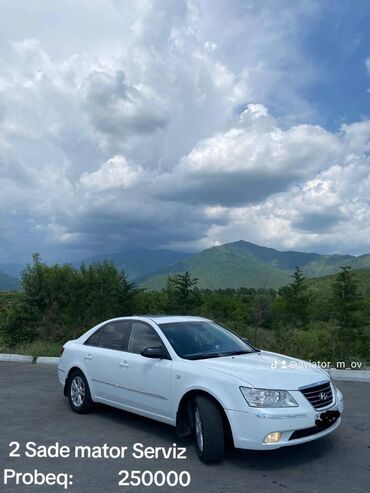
(35, 349)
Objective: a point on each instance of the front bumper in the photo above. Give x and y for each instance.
(250, 428)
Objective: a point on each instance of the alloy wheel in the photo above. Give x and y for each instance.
(78, 391)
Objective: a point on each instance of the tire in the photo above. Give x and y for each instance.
(78, 392)
(208, 430)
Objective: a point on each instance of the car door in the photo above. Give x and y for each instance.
(102, 358)
(144, 383)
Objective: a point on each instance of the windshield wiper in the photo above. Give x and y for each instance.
(204, 355)
(217, 355)
(236, 353)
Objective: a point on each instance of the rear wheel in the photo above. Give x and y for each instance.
(208, 430)
(79, 396)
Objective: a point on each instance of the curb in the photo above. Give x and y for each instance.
(47, 360)
(350, 375)
(18, 358)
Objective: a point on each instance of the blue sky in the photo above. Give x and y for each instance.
(183, 125)
(339, 43)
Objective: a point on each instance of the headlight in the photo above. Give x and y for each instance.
(268, 398)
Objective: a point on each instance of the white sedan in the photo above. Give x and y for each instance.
(202, 378)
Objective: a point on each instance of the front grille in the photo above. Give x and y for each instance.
(319, 396)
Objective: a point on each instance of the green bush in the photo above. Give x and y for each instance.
(60, 302)
(35, 348)
(19, 324)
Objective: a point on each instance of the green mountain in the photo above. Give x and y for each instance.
(330, 264)
(8, 283)
(282, 260)
(323, 285)
(138, 262)
(244, 264)
(238, 264)
(226, 266)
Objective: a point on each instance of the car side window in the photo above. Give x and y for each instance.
(111, 336)
(93, 340)
(141, 337)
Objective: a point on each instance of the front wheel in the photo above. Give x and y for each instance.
(209, 430)
(79, 396)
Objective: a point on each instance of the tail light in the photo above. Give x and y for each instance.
(61, 351)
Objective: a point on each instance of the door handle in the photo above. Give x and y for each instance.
(124, 364)
(88, 356)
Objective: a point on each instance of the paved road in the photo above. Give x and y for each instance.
(32, 408)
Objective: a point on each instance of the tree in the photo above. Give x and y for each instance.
(346, 301)
(104, 292)
(59, 301)
(50, 293)
(182, 296)
(222, 305)
(260, 312)
(296, 300)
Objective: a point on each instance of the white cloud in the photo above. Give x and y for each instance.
(252, 160)
(329, 212)
(114, 173)
(162, 123)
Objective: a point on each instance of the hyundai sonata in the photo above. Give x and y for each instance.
(202, 378)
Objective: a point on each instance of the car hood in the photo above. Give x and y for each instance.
(267, 370)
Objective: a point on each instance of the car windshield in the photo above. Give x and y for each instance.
(203, 339)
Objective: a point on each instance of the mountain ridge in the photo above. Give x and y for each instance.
(258, 266)
(137, 262)
(231, 265)
(8, 283)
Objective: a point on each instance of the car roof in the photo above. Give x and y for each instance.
(166, 319)
(158, 319)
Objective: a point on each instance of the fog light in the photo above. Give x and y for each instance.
(273, 437)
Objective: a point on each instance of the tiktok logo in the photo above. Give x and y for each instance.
(277, 364)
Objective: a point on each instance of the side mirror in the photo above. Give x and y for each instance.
(153, 352)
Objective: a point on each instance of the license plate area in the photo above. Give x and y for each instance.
(327, 418)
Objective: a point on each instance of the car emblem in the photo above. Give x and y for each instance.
(323, 396)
